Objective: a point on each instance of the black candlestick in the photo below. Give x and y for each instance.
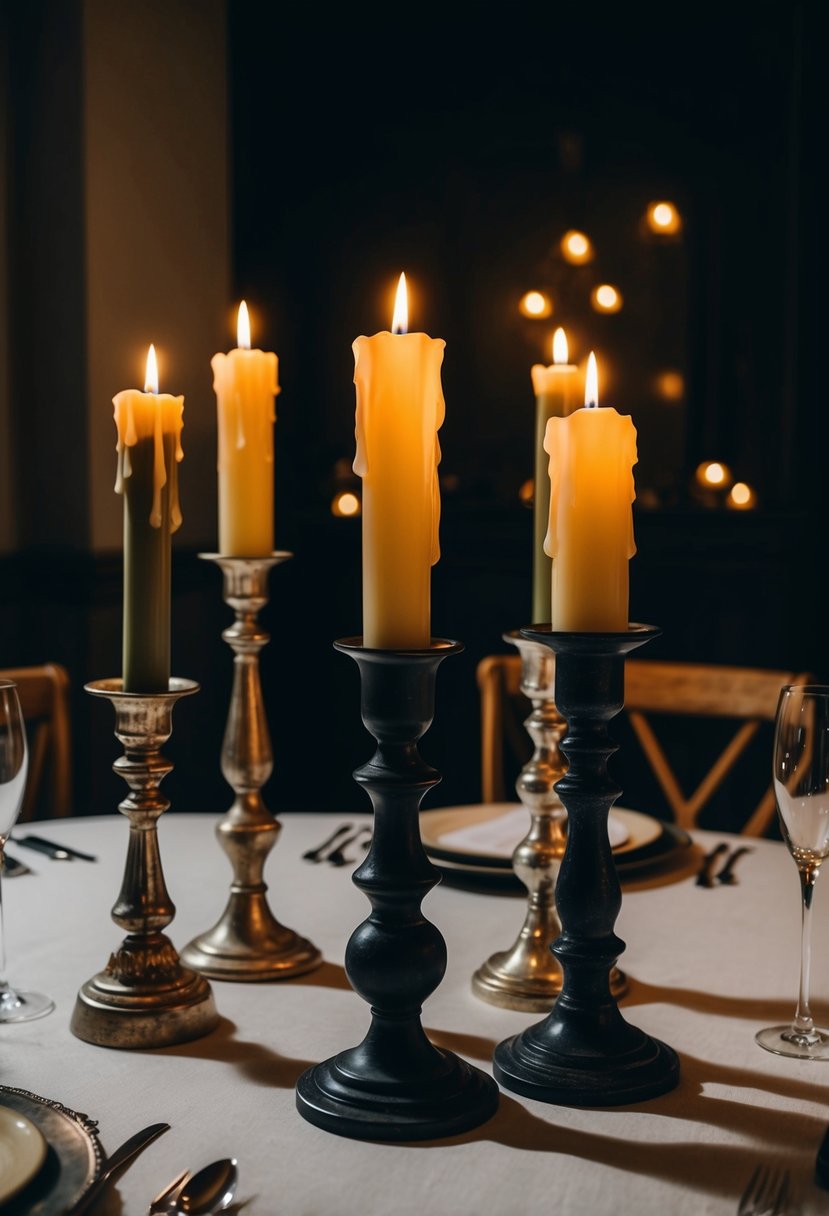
(584, 1053)
(396, 1085)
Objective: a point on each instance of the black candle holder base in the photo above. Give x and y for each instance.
(396, 1085)
(527, 1065)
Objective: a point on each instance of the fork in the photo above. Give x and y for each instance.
(338, 856)
(165, 1199)
(766, 1194)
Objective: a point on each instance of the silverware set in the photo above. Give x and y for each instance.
(709, 876)
(333, 848)
(767, 1193)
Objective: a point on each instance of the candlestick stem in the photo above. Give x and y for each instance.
(144, 997)
(396, 1085)
(248, 942)
(584, 1053)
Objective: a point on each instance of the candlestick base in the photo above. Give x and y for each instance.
(248, 943)
(528, 975)
(396, 1085)
(144, 997)
(584, 1053)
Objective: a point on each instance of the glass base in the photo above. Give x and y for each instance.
(786, 1041)
(23, 1006)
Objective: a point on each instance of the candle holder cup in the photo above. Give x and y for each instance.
(396, 1085)
(144, 997)
(528, 975)
(248, 942)
(584, 1053)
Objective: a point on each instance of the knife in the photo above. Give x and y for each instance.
(59, 852)
(129, 1149)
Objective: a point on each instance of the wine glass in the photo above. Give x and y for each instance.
(14, 765)
(800, 769)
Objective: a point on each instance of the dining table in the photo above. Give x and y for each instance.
(706, 967)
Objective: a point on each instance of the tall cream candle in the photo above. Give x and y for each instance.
(555, 389)
(246, 385)
(400, 408)
(590, 538)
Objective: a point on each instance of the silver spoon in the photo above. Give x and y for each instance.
(209, 1190)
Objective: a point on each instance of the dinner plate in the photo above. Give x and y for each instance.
(22, 1152)
(488, 833)
(73, 1157)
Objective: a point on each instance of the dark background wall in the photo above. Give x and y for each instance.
(458, 148)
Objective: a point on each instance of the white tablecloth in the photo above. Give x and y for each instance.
(707, 968)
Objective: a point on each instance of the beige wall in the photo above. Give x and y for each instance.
(157, 233)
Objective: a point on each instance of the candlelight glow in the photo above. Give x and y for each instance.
(663, 217)
(606, 298)
(400, 320)
(670, 384)
(151, 374)
(576, 247)
(535, 304)
(345, 504)
(560, 352)
(713, 474)
(526, 492)
(243, 327)
(591, 383)
(741, 497)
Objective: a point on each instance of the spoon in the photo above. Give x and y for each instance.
(209, 1190)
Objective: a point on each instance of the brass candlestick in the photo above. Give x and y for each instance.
(248, 942)
(528, 975)
(144, 997)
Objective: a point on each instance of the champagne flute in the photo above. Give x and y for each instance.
(800, 769)
(15, 1006)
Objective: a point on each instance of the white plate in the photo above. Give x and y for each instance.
(490, 832)
(22, 1152)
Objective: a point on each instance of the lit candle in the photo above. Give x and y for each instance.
(555, 389)
(590, 538)
(149, 428)
(246, 385)
(400, 408)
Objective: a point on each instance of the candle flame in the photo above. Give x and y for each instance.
(400, 320)
(560, 352)
(243, 327)
(151, 374)
(591, 383)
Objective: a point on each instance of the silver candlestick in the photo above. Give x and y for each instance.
(248, 942)
(528, 975)
(144, 997)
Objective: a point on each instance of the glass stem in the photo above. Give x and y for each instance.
(3, 984)
(803, 1023)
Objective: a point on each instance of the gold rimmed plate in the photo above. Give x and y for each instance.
(22, 1152)
(72, 1160)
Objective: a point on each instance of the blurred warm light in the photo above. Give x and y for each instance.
(345, 504)
(591, 382)
(713, 475)
(576, 248)
(151, 374)
(670, 384)
(606, 298)
(536, 304)
(243, 327)
(400, 320)
(741, 497)
(663, 217)
(527, 492)
(560, 353)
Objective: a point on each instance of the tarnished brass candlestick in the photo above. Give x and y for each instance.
(144, 997)
(528, 975)
(584, 1053)
(396, 1085)
(248, 942)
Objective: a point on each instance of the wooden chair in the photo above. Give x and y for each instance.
(44, 699)
(659, 696)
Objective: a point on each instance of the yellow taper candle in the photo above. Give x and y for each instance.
(245, 382)
(556, 396)
(400, 408)
(590, 539)
(149, 449)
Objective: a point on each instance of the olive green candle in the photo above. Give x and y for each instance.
(555, 397)
(149, 428)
